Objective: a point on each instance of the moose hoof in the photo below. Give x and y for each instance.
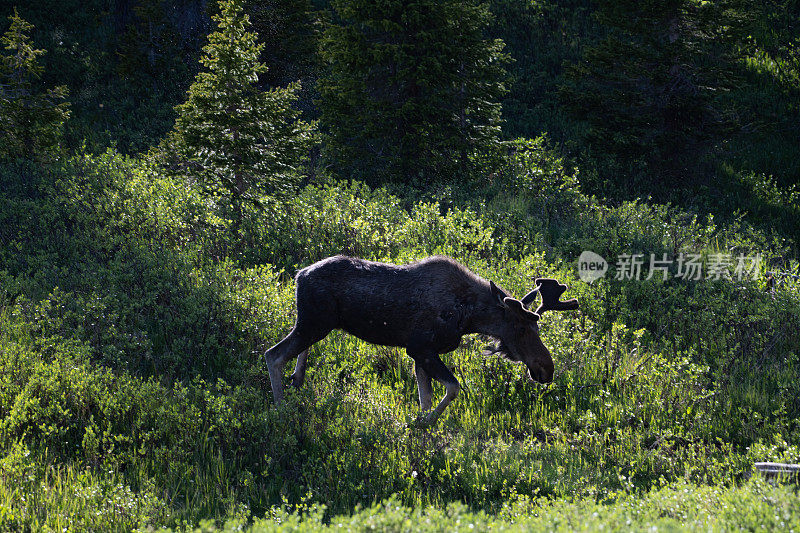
(425, 420)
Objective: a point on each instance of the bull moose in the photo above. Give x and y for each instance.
(425, 307)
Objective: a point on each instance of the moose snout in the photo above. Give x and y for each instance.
(540, 374)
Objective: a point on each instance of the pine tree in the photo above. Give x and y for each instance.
(239, 142)
(412, 90)
(287, 29)
(31, 122)
(149, 51)
(645, 91)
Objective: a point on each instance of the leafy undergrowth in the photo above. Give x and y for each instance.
(132, 393)
(676, 507)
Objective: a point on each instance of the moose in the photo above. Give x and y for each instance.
(424, 307)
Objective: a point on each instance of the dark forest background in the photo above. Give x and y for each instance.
(684, 101)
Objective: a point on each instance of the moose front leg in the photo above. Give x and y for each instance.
(424, 386)
(433, 367)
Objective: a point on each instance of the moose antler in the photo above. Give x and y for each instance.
(551, 290)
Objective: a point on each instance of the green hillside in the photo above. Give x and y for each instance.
(148, 254)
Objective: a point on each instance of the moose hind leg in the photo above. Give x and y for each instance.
(276, 358)
(297, 342)
(299, 374)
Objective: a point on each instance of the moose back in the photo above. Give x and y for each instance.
(424, 307)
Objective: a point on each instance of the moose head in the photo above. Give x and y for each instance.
(518, 337)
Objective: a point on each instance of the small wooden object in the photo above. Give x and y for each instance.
(779, 471)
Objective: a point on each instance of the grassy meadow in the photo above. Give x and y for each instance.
(167, 167)
(133, 392)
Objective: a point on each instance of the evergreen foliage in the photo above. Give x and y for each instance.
(542, 39)
(288, 29)
(412, 90)
(126, 64)
(31, 120)
(646, 90)
(238, 141)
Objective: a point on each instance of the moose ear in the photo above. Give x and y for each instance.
(498, 294)
(516, 306)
